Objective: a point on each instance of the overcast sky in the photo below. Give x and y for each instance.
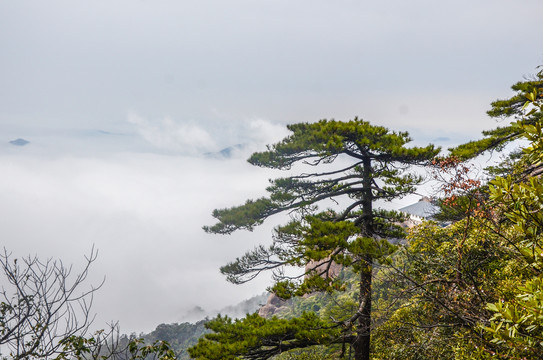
(121, 99)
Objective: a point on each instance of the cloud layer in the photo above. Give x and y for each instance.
(144, 214)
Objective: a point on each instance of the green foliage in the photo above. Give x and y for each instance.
(77, 347)
(326, 139)
(313, 311)
(517, 325)
(160, 350)
(180, 336)
(243, 217)
(99, 347)
(376, 154)
(513, 107)
(437, 288)
(314, 353)
(473, 290)
(321, 143)
(254, 337)
(373, 163)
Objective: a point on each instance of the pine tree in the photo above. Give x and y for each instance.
(497, 138)
(357, 165)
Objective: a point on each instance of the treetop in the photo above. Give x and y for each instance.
(322, 141)
(378, 168)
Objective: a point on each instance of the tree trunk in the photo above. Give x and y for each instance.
(361, 344)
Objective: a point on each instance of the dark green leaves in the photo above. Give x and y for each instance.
(321, 142)
(496, 139)
(351, 165)
(241, 217)
(385, 174)
(257, 338)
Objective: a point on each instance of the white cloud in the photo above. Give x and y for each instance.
(144, 213)
(171, 135)
(266, 132)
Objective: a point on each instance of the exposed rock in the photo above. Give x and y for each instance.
(267, 311)
(275, 304)
(272, 306)
(321, 267)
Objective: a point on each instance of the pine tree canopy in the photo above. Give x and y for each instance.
(378, 167)
(345, 166)
(321, 143)
(497, 138)
(258, 338)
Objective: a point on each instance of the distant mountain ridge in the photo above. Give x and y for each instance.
(186, 334)
(226, 153)
(19, 142)
(239, 310)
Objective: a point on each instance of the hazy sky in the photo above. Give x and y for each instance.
(120, 99)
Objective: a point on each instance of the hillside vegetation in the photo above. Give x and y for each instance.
(467, 286)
